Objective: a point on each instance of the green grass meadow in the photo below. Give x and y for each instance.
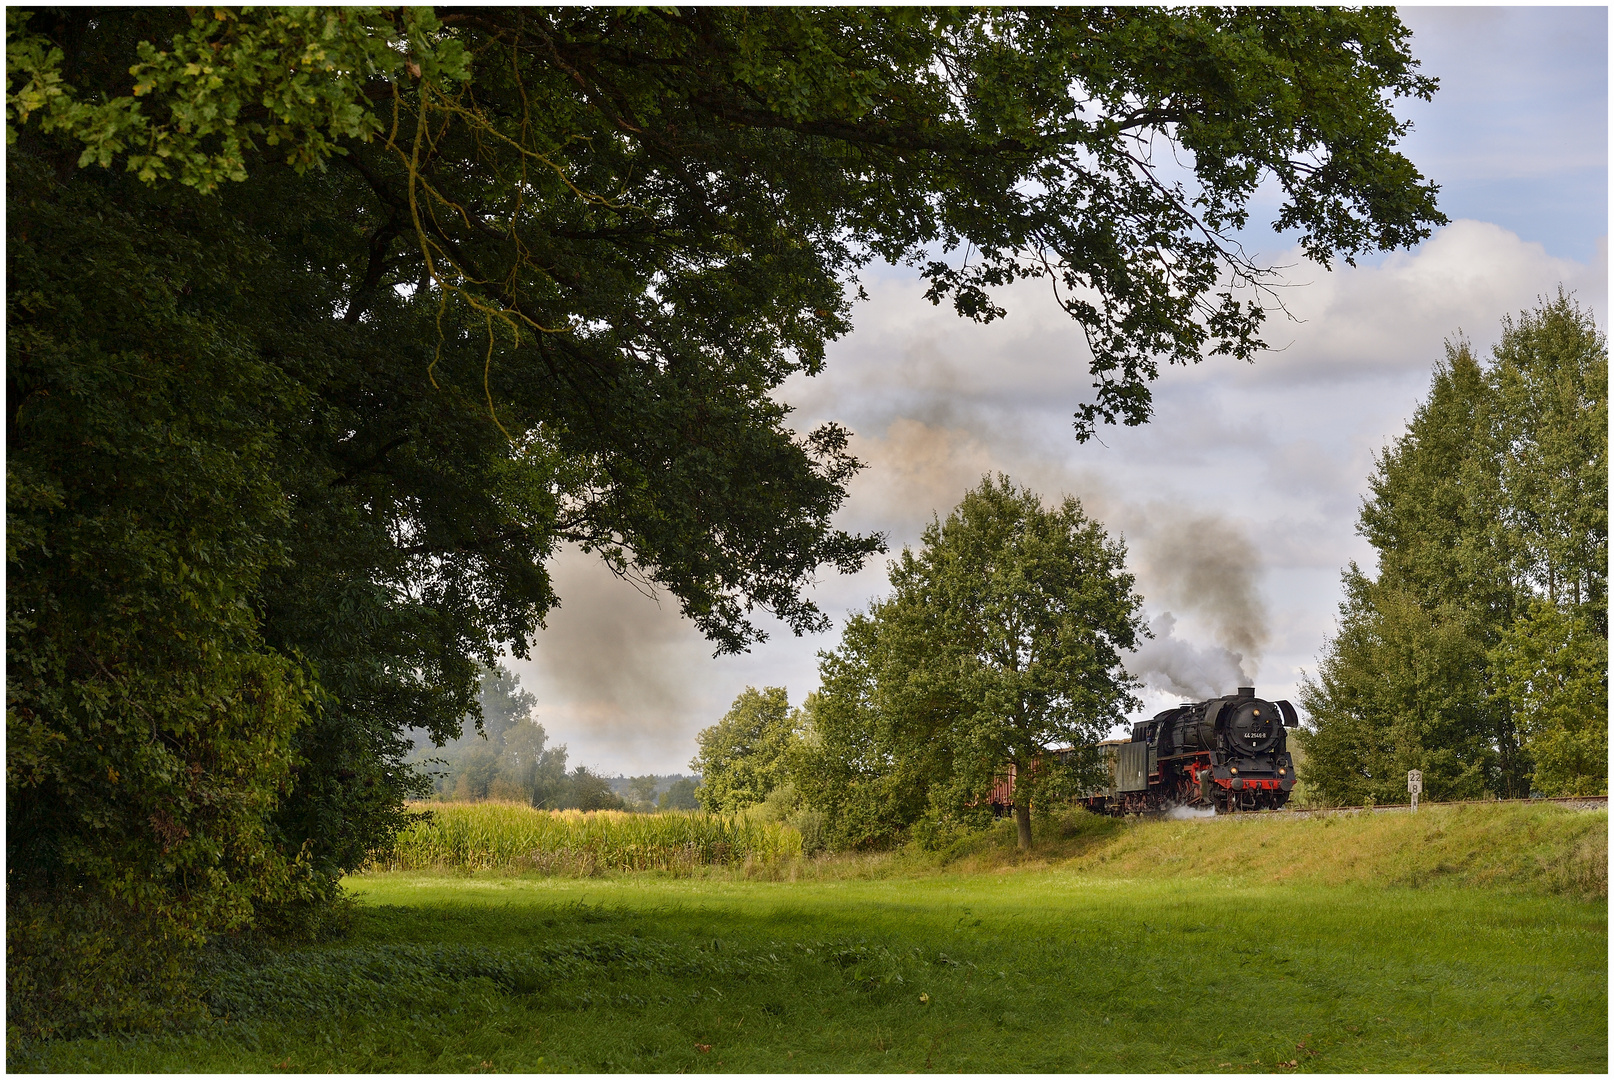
(1465, 939)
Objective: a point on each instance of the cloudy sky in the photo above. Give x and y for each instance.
(1238, 502)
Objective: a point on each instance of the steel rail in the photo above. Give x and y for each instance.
(1577, 802)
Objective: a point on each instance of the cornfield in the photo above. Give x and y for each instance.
(509, 835)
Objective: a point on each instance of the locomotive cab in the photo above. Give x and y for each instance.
(1250, 766)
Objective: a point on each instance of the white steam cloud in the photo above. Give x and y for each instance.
(1172, 666)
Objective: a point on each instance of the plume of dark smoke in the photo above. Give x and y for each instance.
(1205, 564)
(1197, 563)
(616, 669)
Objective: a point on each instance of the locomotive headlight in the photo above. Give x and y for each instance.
(1234, 770)
(1283, 772)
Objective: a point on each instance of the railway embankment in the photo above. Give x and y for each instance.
(1538, 846)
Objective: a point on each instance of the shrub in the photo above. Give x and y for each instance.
(813, 827)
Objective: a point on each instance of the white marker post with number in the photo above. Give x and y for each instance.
(1414, 786)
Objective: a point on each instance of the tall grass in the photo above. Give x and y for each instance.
(509, 835)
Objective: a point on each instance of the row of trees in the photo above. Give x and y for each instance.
(1478, 650)
(1003, 637)
(326, 326)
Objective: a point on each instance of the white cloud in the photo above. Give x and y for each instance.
(1175, 668)
(1360, 323)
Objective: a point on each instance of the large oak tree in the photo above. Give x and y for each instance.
(327, 326)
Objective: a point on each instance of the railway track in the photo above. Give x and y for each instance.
(1573, 802)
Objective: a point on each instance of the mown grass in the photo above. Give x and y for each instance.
(514, 836)
(1097, 954)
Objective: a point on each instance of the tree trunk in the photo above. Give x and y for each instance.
(1022, 823)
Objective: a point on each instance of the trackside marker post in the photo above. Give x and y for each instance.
(1414, 786)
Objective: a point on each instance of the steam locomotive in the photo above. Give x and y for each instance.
(1225, 754)
(1228, 753)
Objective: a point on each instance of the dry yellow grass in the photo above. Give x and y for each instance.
(511, 835)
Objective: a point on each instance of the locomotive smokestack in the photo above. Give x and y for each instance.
(1246, 691)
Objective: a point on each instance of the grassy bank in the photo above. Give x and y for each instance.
(1214, 946)
(1523, 847)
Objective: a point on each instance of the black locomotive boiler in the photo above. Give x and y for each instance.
(1227, 754)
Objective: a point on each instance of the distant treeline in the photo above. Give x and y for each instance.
(510, 758)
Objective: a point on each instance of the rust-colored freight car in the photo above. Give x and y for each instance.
(1002, 796)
